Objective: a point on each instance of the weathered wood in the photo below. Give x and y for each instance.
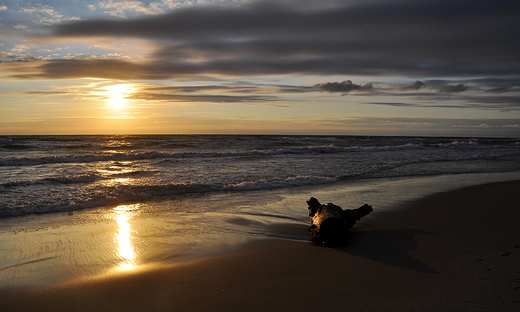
(330, 223)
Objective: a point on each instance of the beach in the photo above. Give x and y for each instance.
(173, 155)
(449, 251)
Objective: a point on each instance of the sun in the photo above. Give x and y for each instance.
(117, 101)
(117, 94)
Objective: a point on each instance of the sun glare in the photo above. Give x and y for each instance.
(117, 94)
(117, 101)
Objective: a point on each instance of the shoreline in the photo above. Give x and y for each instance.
(453, 250)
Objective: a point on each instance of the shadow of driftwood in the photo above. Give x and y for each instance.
(388, 246)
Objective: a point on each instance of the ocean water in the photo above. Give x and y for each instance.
(49, 174)
(76, 208)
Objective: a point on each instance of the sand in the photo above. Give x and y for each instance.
(452, 251)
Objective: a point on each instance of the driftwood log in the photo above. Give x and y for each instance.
(330, 223)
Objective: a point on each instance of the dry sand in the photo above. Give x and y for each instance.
(453, 251)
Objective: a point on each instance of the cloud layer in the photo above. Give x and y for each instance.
(343, 87)
(467, 38)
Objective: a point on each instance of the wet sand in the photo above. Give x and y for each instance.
(449, 251)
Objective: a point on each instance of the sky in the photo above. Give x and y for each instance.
(327, 67)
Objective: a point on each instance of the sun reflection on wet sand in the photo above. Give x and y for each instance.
(123, 237)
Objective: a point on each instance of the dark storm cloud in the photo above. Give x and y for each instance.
(414, 86)
(499, 89)
(427, 38)
(343, 87)
(454, 89)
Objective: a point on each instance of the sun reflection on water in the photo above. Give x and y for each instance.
(115, 174)
(123, 236)
(119, 180)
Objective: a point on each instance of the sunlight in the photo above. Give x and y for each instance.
(119, 180)
(115, 174)
(117, 94)
(123, 237)
(117, 101)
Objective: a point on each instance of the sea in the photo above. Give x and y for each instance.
(76, 208)
(64, 174)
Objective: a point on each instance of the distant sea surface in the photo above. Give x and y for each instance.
(46, 174)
